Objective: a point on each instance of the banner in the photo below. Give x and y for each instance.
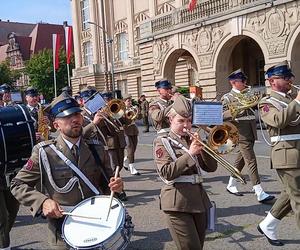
(69, 43)
(56, 47)
(192, 5)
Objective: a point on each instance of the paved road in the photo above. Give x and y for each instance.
(237, 216)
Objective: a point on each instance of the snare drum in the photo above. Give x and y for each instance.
(17, 138)
(96, 232)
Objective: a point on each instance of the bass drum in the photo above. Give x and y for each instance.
(17, 138)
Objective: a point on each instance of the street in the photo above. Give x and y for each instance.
(237, 217)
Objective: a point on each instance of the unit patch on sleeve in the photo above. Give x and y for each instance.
(159, 153)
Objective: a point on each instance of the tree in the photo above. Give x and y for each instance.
(5, 73)
(40, 71)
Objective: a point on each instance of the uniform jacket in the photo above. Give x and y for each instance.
(246, 128)
(158, 109)
(23, 185)
(144, 108)
(34, 114)
(279, 120)
(182, 197)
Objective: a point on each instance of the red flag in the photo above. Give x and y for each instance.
(192, 5)
(69, 43)
(56, 47)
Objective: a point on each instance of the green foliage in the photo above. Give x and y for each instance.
(184, 91)
(5, 73)
(40, 71)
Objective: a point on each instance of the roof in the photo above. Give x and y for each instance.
(21, 29)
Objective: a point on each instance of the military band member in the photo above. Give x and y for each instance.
(5, 90)
(67, 90)
(161, 105)
(144, 106)
(60, 167)
(179, 163)
(131, 132)
(32, 99)
(281, 114)
(246, 125)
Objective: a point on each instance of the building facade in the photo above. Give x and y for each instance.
(154, 39)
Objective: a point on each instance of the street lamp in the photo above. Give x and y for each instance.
(109, 41)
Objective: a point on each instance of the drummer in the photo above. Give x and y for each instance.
(61, 189)
(6, 95)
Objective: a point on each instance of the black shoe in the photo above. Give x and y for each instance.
(267, 199)
(236, 194)
(272, 242)
(145, 131)
(122, 196)
(126, 168)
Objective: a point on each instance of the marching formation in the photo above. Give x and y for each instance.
(64, 160)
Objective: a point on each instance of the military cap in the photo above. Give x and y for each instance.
(127, 96)
(182, 106)
(31, 91)
(63, 106)
(87, 92)
(5, 88)
(107, 95)
(280, 69)
(67, 89)
(237, 74)
(164, 84)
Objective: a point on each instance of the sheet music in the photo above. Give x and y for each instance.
(95, 103)
(207, 113)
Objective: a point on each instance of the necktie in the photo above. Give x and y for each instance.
(75, 152)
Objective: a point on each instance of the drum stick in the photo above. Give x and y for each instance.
(112, 193)
(81, 216)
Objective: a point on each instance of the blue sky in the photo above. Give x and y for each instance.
(34, 11)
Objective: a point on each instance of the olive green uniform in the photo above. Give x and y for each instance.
(281, 114)
(246, 125)
(144, 106)
(32, 174)
(184, 203)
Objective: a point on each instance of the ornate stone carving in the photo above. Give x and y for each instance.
(274, 26)
(203, 40)
(159, 50)
(206, 60)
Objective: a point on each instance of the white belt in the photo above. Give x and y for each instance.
(292, 137)
(246, 118)
(194, 179)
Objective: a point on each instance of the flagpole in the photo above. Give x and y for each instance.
(54, 64)
(68, 70)
(54, 73)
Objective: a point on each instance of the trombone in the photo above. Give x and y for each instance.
(219, 136)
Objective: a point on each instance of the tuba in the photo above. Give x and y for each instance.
(132, 113)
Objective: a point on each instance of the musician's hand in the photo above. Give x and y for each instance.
(195, 147)
(116, 184)
(38, 136)
(173, 97)
(52, 209)
(98, 118)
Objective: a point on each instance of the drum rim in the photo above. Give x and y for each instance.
(98, 244)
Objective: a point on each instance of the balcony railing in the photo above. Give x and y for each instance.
(204, 10)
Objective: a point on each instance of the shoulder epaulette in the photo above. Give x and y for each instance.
(45, 143)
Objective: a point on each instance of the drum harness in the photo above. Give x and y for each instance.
(43, 158)
(195, 178)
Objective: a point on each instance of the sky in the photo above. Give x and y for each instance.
(35, 11)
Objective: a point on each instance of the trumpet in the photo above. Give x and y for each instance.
(224, 163)
(295, 86)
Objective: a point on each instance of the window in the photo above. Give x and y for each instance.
(123, 46)
(87, 53)
(122, 85)
(85, 15)
(260, 76)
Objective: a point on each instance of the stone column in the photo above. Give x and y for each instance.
(178, 3)
(94, 31)
(152, 8)
(76, 32)
(130, 21)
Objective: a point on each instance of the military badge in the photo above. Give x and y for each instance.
(29, 165)
(266, 108)
(159, 153)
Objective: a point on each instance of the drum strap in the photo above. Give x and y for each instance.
(75, 169)
(68, 187)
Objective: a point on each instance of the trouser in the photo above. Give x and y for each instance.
(290, 179)
(246, 157)
(187, 229)
(131, 141)
(116, 157)
(54, 234)
(9, 208)
(146, 122)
